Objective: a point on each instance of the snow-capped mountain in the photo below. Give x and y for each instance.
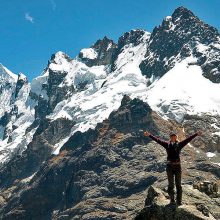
(70, 140)
(175, 69)
(180, 36)
(17, 114)
(7, 83)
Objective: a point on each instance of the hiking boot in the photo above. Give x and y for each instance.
(179, 200)
(179, 203)
(179, 196)
(172, 202)
(171, 195)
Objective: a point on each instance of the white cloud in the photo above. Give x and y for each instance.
(28, 17)
(54, 5)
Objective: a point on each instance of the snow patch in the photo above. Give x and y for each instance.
(183, 90)
(202, 48)
(4, 70)
(89, 53)
(22, 76)
(37, 85)
(109, 46)
(210, 154)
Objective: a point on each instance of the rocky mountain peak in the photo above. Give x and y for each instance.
(179, 16)
(100, 53)
(58, 57)
(132, 113)
(22, 77)
(45, 88)
(179, 36)
(6, 73)
(22, 80)
(132, 37)
(183, 13)
(186, 25)
(103, 44)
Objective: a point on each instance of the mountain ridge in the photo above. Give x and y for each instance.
(71, 138)
(105, 171)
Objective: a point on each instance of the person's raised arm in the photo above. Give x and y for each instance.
(158, 140)
(188, 139)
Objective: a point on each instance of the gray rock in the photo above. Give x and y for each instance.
(105, 49)
(196, 206)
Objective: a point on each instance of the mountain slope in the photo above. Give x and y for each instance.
(184, 90)
(104, 172)
(16, 114)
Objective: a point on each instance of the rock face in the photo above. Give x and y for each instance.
(100, 53)
(197, 206)
(46, 136)
(209, 142)
(209, 188)
(22, 80)
(53, 93)
(13, 110)
(7, 86)
(104, 173)
(179, 36)
(129, 113)
(134, 38)
(14, 93)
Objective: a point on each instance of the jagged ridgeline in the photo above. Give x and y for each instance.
(70, 141)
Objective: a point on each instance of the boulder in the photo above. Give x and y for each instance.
(196, 206)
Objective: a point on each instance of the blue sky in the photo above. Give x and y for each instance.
(31, 30)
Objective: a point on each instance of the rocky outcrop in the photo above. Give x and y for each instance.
(131, 114)
(6, 118)
(27, 162)
(104, 50)
(196, 206)
(209, 188)
(54, 92)
(133, 37)
(210, 141)
(22, 80)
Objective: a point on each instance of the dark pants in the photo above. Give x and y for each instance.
(174, 173)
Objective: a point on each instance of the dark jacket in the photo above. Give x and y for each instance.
(173, 151)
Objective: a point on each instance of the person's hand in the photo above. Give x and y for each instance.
(146, 133)
(199, 133)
